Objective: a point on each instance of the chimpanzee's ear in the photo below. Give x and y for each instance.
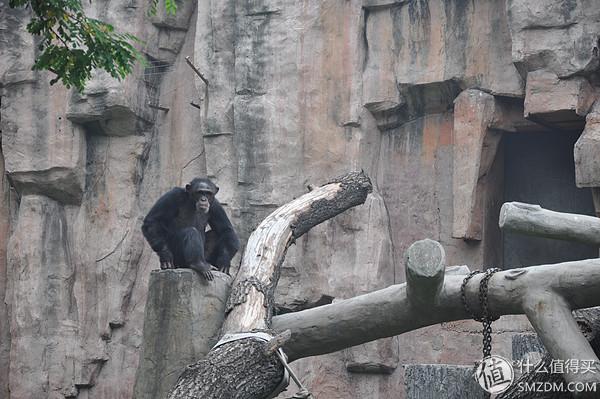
(188, 188)
(216, 189)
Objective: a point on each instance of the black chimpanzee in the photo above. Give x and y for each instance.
(175, 229)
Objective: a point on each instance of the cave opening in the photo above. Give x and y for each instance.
(539, 169)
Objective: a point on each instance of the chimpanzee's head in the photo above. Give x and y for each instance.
(202, 191)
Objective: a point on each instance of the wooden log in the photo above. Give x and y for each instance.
(425, 263)
(536, 221)
(551, 317)
(389, 312)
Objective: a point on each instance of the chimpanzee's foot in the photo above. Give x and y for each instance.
(224, 269)
(204, 269)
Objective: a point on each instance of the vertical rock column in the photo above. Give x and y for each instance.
(475, 147)
(587, 162)
(183, 318)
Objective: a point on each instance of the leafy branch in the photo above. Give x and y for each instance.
(71, 45)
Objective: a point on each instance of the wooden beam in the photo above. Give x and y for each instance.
(546, 294)
(536, 221)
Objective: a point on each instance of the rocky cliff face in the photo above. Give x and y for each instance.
(418, 93)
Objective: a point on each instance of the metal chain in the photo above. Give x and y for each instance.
(486, 318)
(463, 293)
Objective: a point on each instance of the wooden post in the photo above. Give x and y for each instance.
(425, 263)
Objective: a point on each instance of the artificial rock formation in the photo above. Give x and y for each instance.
(297, 92)
(587, 162)
(183, 318)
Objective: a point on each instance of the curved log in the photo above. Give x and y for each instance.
(250, 303)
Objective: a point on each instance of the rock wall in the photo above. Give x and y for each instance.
(418, 93)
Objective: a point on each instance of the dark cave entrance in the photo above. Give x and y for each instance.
(539, 169)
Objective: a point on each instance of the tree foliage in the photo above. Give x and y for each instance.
(71, 45)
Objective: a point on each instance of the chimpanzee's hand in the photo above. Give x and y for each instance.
(166, 259)
(208, 275)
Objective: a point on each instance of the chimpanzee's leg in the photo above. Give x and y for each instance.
(216, 252)
(187, 247)
(211, 244)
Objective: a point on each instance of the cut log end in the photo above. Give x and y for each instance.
(425, 266)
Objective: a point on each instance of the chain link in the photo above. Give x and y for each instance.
(485, 318)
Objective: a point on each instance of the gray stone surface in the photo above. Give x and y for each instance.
(44, 152)
(5, 337)
(475, 148)
(560, 36)
(44, 327)
(183, 318)
(377, 357)
(435, 381)
(113, 108)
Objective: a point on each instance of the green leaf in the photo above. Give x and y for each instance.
(171, 6)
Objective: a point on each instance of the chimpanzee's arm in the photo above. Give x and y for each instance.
(228, 239)
(157, 221)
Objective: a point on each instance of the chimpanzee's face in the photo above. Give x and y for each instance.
(202, 192)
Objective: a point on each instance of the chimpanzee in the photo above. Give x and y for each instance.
(175, 229)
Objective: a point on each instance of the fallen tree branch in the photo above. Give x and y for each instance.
(250, 303)
(537, 221)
